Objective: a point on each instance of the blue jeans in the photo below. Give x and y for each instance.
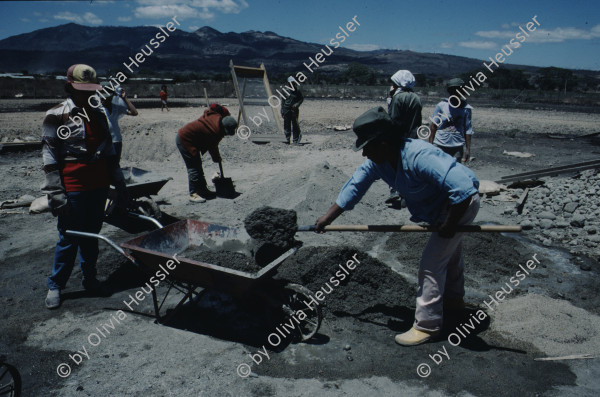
(86, 213)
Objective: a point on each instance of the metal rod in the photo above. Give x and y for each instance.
(552, 169)
(412, 228)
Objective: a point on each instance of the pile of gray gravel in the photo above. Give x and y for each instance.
(566, 212)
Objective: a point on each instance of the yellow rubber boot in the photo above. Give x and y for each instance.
(414, 337)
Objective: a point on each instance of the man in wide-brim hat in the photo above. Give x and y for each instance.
(437, 189)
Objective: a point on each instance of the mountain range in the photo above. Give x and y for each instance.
(205, 50)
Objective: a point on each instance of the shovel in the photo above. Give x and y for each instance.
(224, 186)
(412, 228)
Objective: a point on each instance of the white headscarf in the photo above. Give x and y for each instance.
(404, 79)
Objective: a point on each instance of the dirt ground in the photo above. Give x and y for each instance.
(553, 312)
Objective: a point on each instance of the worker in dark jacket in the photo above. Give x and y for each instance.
(405, 111)
(198, 137)
(80, 163)
(290, 111)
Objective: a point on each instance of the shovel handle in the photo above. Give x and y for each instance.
(412, 228)
(221, 169)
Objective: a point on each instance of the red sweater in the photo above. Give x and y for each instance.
(203, 134)
(83, 176)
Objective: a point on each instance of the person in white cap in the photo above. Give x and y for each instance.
(117, 105)
(290, 111)
(405, 111)
(452, 128)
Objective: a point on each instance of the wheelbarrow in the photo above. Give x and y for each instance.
(140, 184)
(151, 251)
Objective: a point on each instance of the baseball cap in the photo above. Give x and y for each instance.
(370, 125)
(230, 124)
(83, 78)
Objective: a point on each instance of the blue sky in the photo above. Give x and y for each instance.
(568, 35)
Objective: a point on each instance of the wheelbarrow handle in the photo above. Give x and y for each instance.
(146, 218)
(412, 228)
(105, 239)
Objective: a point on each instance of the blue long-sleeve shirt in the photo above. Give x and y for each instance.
(426, 178)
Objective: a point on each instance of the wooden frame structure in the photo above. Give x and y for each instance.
(247, 72)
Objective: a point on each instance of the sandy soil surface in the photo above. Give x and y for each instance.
(553, 312)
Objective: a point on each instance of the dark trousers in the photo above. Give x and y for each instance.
(118, 149)
(86, 213)
(291, 127)
(196, 180)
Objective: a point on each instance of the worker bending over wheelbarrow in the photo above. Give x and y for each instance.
(438, 190)
(198, 137)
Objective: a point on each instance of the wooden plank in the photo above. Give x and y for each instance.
(237, 91)
(269, 94)
(571, 357)
(206, 97)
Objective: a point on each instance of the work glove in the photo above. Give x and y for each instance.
(57, 196)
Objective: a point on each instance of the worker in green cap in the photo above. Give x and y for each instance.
(437, 190)
(451, 127)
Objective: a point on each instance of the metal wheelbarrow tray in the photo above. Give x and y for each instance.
(140, 184)
(152, 250)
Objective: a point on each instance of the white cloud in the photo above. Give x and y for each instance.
(203, 9)
(478, 45)
(540, 35)
(505, 26)
(446, 45)
(88, 17)
(37, 14)
(92, 19)
(69, 16)
(364, 47)
(193, 28)
(25, 20)
(124, 19)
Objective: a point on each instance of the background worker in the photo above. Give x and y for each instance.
(164, 96)
(80, 163)
(437, 190)
(198, 137)
(404, 109)
(290, 112)
(453, 130)
(117, 105)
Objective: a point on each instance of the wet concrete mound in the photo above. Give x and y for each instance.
(274, 226)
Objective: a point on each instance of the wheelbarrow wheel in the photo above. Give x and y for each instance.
(147, 206)
(10, 381)
(295, 296)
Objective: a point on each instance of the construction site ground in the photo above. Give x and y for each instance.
(553, 312)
